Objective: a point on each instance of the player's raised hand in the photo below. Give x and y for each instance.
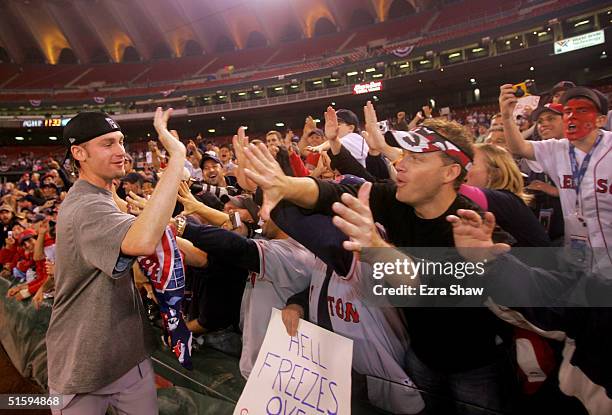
(170, 142)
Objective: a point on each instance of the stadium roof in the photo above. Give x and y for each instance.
(89, 31)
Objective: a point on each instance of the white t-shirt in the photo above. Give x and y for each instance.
(595, 190)
(285, 269)
(357, 146)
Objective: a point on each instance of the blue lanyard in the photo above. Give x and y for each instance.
(578, 172)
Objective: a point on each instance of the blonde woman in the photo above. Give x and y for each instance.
(496, 184)
(494, 168)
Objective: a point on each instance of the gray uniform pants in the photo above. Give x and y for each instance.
(133, 393)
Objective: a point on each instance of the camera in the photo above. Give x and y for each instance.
(524, 89)
(235, 220)
(383, 126)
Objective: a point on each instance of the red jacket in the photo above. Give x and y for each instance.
(297, 165)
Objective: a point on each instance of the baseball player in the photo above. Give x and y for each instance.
(335, 300)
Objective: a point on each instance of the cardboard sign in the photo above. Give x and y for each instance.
(524, 105)
(302, 375)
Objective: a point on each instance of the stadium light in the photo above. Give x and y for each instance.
(424, 61)
(333, 103)
(454, 55)
(377, 75)
(52, 138)
(370, 70)
(476, 50)
(280, 124)
(580, 23)
(352, 73)
(294, 86)
(405, 65)
(19, 138)
(317, 82)
(241, 94)
(212, 130)
(317, 120)
(531, 68)
(472, 80)
(278, 88)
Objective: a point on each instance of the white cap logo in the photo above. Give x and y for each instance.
(112, 123)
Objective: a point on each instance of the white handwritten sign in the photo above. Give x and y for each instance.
(302, 375)
(525, 105)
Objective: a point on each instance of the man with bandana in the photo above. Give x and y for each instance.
(580, 165)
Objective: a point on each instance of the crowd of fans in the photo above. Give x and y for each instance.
(311, 204)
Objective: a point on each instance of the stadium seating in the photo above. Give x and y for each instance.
(464, 11)
(61, 83)
(112, 73)
(409, 26)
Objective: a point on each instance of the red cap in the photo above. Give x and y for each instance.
(550, 107)
(27, 234)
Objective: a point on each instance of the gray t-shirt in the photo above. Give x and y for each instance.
(98, 329)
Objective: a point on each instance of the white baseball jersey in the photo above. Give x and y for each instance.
(380, 340)
(595, 190)
(284, 270)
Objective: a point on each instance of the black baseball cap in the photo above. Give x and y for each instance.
(208, 156)
(599, 99)
(316, 131)
(348, 117)
(562, 86)
(88, 125)
(243, 202)
(50, 184)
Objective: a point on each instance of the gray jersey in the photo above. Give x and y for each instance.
(285, 269)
